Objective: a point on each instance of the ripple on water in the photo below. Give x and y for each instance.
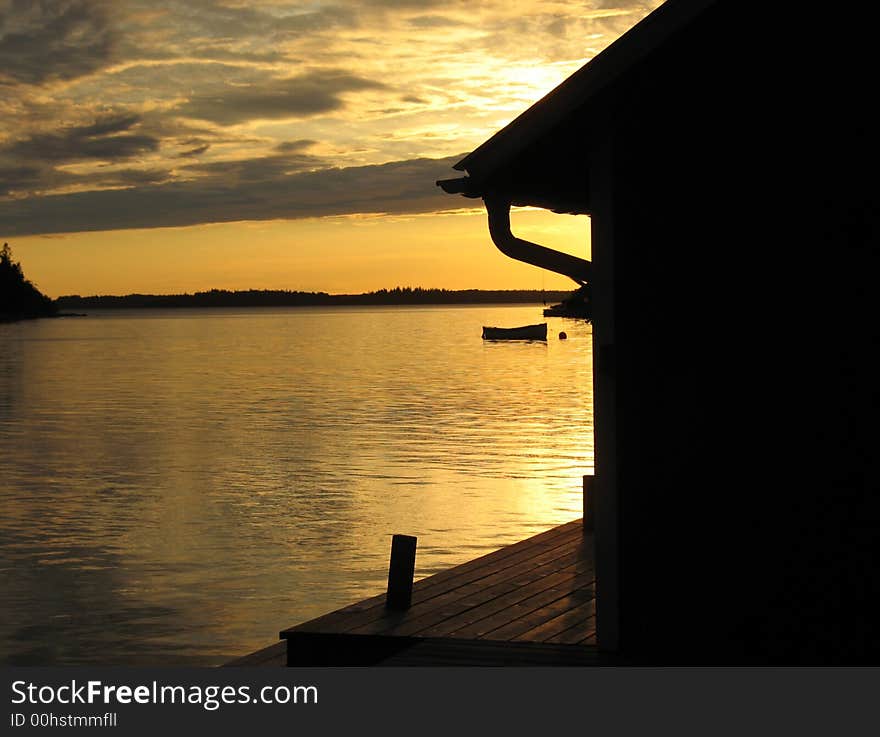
(177, 487)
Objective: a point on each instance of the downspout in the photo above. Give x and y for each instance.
(498, 208)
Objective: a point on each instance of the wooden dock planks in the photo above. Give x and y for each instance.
(532, 602)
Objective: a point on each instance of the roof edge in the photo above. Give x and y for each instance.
(595, 75)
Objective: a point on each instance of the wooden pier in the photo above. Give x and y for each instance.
(530, 603)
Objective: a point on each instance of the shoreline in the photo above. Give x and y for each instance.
(279, 298)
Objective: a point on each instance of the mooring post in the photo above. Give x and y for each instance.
(400, 571)
(589, 504)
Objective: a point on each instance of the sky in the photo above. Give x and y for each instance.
(164, 146)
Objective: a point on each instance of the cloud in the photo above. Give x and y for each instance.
(53, 39)
(434, 21)
(16, 178)
(381, 81)
(212, 53)
(417, 4)
(104, 140)
(329, 18)
(258, 169)
(562, 35)
(397, 187)
(108, 125)
(277, 99)
(197, 151)
(299, 145)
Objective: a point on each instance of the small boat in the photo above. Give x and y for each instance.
(525, 332)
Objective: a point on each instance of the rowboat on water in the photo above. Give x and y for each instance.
(525, 332)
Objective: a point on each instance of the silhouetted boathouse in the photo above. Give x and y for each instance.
(721, 151)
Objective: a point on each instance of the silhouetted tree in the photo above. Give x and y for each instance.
(18, 297)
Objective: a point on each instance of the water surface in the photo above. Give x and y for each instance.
(177, 486)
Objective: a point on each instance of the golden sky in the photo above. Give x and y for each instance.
(176, 145)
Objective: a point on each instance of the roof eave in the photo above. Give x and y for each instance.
(580, 87)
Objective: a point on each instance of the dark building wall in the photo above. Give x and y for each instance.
(745, 298)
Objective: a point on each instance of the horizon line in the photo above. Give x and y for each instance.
(388, 290)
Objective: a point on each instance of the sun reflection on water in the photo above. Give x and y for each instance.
(179, 486)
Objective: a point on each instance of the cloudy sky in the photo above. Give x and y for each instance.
(177, 145)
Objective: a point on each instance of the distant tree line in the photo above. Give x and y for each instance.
(19, 299)
(283, 298)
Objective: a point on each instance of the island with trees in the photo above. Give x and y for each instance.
(283, 298)
(19, 298)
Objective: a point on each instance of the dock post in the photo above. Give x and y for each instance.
(589, 504)
(400, 572)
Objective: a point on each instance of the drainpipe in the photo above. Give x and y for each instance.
(498, 208)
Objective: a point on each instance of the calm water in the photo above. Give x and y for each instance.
(178, 486)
